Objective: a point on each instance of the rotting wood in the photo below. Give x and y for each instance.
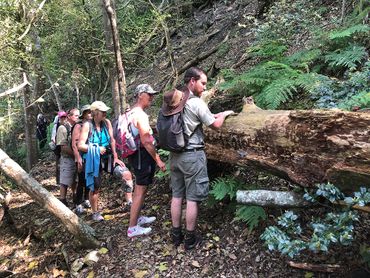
(304, 146)
(83, 232)
(329, 268)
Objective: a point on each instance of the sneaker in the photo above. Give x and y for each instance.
(97, 216)
(145, 220)
(87, 204)
(138, 231)
(79, 210)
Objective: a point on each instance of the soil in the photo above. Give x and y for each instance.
(38, 245)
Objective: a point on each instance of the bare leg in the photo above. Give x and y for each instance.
(93, 196)
(191, 215)
(139, 195)
(176, 211)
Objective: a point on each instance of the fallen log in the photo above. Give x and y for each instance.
(282, 199)
(83, 232)
(305, 147)
(268, 198)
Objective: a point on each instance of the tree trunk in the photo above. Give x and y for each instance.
(117, 52)
(306, 147)
(56, 93)
(112, 70)
(30, 128)
(84, 233)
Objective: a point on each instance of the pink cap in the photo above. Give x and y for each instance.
(62, 114)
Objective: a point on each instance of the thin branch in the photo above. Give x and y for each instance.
(32, 20)
(17, 88)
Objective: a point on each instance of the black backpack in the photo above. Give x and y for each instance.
(171, 134)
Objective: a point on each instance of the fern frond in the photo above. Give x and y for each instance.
(221, 187)
(349, 57)
(303, 59)
(349, 32)
(268, 50)
(252, 215)
(276, 93)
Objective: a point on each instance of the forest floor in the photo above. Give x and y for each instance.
(46, 249)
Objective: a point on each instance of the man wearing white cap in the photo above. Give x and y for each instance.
(143, 160)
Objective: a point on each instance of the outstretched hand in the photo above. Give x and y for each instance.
(228, 113)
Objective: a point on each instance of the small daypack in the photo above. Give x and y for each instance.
(58, 148)
(126, 142)
(171, 134)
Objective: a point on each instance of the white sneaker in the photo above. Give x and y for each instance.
(97, 216)
(138, 231)
(79, 210)
(87, 204)
(145, 220)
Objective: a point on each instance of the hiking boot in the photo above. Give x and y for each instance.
(177, 236)
(138, 231)
(97, 216)
(79, 210)
(192, 240)
(86, 204)
(145, 220)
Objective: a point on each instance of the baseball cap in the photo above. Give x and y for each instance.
(62, 114)
(144, 88)
(99, 105)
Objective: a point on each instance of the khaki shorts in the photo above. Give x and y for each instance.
(189, 176)
(68, 171)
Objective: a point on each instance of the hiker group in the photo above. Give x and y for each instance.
(87, 143)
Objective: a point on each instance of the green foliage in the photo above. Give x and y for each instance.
(349, 57)
(252, 215)
(226, 188)
(349, 32)
(334, 228)
(268, 50)
(165, 155)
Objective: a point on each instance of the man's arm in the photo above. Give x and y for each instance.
(116, 160)
(147, 141)
(220, 118)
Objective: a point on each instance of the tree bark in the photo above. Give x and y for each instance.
(117, 52)
(112, 73)
(268, 198)
(306, 147)
(84, 233)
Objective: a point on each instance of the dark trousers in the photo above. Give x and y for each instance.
(82, 192)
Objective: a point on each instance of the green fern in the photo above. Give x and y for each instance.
(349, 57)
(252, 215)
(268, 50)
(222, 187)
(349, 32)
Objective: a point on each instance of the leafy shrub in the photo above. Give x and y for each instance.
(334, 228)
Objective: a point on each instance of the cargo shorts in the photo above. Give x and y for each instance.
(189, 176)
(68, 171)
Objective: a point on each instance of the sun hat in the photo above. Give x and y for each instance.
(99, 105)
(174, 101)
(144, 88)
(62, 114)
(84, 108)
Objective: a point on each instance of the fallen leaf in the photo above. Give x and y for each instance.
(57, 272)
(91, 258)
(140, 273)
(195, 264)
(163, 266)
(91, 274)
(108, 217)
(155, 208)
(216, 238)
(32, 264)
(232, 256)
(76, 266)
(103, 250)
(125, 221)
